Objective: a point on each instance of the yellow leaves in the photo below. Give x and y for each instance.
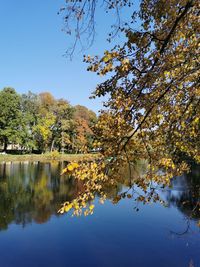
(141, 198)
(61, 211)
(77, 207)
(197, 120)
(93, 165)
(125, 65)
(160, 116)
(167, 163)
(182, 36)
(68, 207)
(152, 111)
(109, 56)
(64, 171)
(70, 168)
(167, 74)
(92, 175)
(116, 199)
(91, 207)
(104, 65)
(107, 68)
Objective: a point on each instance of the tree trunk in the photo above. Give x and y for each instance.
(52, 145)
(5, 144)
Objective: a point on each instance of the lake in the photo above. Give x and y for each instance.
(32, 233)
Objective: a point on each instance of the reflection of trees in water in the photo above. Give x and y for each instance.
(33, 192)
(125, 180)
(185, 193)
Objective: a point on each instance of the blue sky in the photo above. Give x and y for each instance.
(32, 47)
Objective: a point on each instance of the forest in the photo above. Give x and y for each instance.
(40, 123)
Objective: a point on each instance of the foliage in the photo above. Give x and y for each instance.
(84, 120)
(11, 122)
(64, 125)
(153, 88)
(43, 131)
(29, 108)
(42, 123)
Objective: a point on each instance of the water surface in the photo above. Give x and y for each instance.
(33, 234)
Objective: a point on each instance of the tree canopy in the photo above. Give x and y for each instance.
(11, 122)
(153, 107)
(41, 123)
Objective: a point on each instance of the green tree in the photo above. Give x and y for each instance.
(30, 110)
(62, 130)
(11, 123)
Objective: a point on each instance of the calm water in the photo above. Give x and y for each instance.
(33, 234)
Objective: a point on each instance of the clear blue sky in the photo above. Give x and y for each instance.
(32, 47)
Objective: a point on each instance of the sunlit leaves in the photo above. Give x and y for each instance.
(153, 88)
(70, 167)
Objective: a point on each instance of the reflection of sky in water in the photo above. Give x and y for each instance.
(116, 235)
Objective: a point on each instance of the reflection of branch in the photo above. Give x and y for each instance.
(183, 232)
(188, 219)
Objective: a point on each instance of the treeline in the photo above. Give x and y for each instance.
(40, 123)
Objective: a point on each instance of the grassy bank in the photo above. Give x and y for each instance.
(47, 157)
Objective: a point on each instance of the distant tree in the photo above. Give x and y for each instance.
(85, 120)
(30, 107)
(43, 131)
(46, 101)
(11, 121)
(30, 110)
(43, 123)
(62, 130)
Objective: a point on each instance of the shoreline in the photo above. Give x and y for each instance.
(46, 157)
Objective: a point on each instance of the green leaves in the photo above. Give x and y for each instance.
(43, 123)
(11, 120)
